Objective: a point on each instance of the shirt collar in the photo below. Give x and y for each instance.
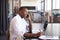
(19, 16)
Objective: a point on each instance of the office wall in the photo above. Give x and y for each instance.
(48, 5)
(10, 10)
(56, 4)
(29, 2)
(52, 4)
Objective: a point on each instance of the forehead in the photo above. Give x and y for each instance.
(25, 9)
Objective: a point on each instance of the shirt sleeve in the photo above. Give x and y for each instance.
(18, 28)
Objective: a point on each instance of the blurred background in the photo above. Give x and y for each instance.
(38, 9)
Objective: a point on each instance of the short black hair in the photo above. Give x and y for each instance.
(21, 8)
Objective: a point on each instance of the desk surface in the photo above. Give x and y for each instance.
(48, 37)
(45, 38)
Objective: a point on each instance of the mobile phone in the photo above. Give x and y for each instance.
(27, 16)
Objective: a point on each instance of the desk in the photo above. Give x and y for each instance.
(44, 38)
(49, 37)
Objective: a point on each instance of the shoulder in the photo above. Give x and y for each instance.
(14, 19)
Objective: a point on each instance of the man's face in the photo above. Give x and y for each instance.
(24, 12)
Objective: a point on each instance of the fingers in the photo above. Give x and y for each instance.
(39, 34)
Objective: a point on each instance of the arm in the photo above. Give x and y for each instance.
(28, 18)
(29, 35)
(32, 35)
(30, 26)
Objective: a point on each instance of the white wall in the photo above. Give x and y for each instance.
(56, 4)
(10, 6)
(10, 10)
(47, 5)
(29, 2)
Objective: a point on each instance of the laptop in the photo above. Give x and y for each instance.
(48, 36)
(45, 25)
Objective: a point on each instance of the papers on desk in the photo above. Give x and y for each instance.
(48, 37)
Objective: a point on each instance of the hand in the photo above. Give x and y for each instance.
(38, 34)
(28, 17)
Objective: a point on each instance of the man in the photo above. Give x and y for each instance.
(18, 25)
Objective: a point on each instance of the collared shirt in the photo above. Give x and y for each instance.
(17, 27)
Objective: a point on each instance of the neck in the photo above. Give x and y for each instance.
(20, 15)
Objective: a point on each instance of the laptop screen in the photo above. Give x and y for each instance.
(45, 25)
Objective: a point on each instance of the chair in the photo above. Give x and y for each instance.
(7, 35)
